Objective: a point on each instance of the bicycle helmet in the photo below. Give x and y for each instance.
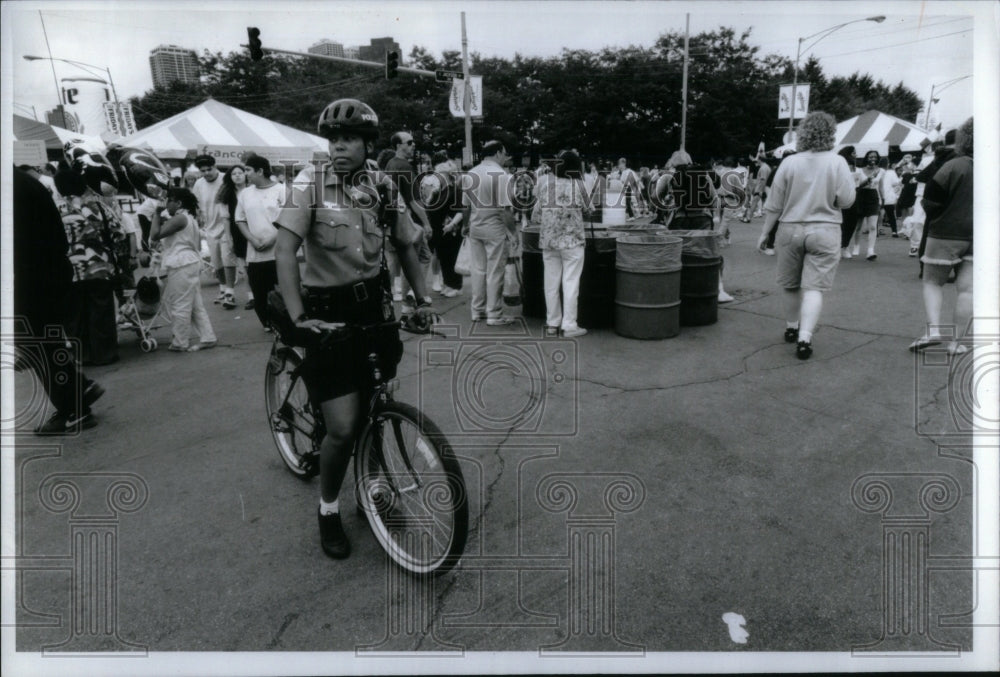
(349, 115)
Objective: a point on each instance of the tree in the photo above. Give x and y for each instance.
(606, 104)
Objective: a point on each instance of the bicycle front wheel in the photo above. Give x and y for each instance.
(411, 489)
(290, 415)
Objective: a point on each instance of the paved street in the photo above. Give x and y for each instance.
(661, 485)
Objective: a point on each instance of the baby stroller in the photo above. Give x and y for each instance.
(142, 309)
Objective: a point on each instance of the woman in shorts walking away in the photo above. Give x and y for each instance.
(809, 191)
(948, 201)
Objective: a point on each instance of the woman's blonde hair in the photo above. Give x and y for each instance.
(963, 139)
(817, 132)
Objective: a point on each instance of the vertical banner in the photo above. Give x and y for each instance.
(120, 123)
(801, 100)
(456, 101)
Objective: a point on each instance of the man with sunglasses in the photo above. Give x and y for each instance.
(400, 168)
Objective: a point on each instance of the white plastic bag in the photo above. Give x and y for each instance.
(463, 264)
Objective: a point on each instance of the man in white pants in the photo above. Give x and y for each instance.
(212, 219)
(488, 211)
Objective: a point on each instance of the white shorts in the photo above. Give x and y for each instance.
(221, 251)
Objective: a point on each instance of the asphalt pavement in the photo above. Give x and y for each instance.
(625, 495)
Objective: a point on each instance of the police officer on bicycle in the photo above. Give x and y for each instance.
(344, 224)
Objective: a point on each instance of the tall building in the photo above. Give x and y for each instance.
(170, 62)
(377, 49)
(327, 48)
(352, 52)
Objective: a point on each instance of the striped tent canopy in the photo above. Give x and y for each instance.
(223, 131)
(873, 128)
(26, 129)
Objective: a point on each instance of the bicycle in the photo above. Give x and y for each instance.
(407, 482)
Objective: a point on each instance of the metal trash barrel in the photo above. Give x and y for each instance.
(699, 290)
(595, 308)
(647, 288)
(532, 274)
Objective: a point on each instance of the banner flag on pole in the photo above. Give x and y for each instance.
(785, 99)
(456, 101)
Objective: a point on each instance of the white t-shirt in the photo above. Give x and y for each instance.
(213, 215)
(260, 208)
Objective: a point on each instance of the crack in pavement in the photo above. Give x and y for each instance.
(439, 597)
(932, 406)
(289, 618)
(727, 377)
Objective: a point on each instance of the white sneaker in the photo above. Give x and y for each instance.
(450, 293)
(436, 285)
(856, 251)
(845, 254)
(725, 298)
(574, 332)
(769, 251)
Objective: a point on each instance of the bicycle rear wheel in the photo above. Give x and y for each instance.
(411, 489)
(293, 419)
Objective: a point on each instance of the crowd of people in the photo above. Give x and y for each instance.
(332, 242)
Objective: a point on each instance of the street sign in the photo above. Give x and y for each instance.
(448, 76)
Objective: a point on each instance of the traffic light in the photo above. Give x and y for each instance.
(253, 36)
(391, 64)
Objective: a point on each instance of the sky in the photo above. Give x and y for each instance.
(919, 44)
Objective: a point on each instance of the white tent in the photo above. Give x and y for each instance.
(873, 130)
(26, 129)
(224, 132)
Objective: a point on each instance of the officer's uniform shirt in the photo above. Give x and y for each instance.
(343, 243)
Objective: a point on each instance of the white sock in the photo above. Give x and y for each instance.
(249, 296)
(791, 325)
(328, 508)
(805, 336)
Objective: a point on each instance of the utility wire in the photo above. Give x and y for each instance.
(898, 44)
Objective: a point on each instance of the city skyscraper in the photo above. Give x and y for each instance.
(327, 48)
(375, 51)
(170, 62)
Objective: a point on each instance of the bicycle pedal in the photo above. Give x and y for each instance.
(309, 463)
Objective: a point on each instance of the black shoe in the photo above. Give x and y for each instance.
(791, 334)
(92, 393)
(249, 305)
(332, 536)
(60, 424)
(803, 350)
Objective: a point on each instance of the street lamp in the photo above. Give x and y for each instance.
(87, 67)
(822, 34)
(932, 100)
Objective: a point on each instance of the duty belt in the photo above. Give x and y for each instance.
(348, 294)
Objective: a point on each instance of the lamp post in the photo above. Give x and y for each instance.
(86, 67)
(795, 75)
(932, 100)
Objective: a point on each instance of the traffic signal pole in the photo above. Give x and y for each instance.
(354, 62)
